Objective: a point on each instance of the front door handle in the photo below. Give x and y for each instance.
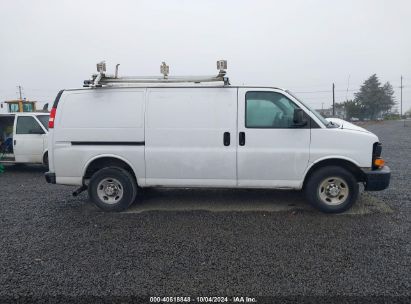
(242, 139)
(226, 138)
(15, 142)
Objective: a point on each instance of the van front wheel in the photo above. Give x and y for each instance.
(112, 189)
(332, 189)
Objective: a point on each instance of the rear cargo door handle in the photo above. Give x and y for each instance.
(242, 139)
(226, 138)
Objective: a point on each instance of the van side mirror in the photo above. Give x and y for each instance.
(298, 118)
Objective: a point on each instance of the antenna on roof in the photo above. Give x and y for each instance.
(100, 79)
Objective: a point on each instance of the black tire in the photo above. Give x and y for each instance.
(121, 179)
(46, 160)
(320, 197)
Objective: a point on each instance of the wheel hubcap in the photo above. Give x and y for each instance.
(110, 191)
(333, 191)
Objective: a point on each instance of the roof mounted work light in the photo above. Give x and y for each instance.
(101, 67)
(222, 67)
(164, 69)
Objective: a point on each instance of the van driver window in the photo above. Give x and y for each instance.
(28, 125)
(268, 110)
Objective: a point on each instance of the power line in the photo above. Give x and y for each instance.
(324, 91)
(310, 92)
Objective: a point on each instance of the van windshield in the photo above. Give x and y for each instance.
(318, 115)
(44, 119)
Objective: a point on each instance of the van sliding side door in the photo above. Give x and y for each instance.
(191, 137)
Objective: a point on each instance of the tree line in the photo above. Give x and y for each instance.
(372, 101)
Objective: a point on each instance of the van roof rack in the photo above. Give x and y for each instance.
(101, 79)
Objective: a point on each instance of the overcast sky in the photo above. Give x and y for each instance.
(304, 46)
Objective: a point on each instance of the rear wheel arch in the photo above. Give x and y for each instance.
(338, 162)
(101, 162)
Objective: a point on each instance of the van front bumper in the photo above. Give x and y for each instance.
(376, 180)
(50, 177)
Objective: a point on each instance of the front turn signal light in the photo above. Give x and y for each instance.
(379, 162)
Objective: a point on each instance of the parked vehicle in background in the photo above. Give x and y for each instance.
(354, 119)
(114, 138)
(23, 138)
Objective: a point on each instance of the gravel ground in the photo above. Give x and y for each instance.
(53, 244)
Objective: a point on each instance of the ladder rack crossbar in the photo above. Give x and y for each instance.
(101, 78)
(156, 79)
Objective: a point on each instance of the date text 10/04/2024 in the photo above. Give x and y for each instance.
(234, 299)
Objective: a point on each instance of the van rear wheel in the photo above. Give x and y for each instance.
(112, 189)
(332, 189)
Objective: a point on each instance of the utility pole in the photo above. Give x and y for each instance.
(333, 99)
(401, 99)
(21, 98)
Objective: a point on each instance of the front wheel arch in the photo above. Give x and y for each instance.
(337, 162)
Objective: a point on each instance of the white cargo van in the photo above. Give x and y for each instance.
(23, 138)
(121, 134)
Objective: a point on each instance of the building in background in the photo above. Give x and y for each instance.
(18, 105)
(325, 112)
(339, 111)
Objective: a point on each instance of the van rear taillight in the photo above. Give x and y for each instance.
(52, 117)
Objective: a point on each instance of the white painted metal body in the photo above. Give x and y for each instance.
(27, 147)
(173, 137)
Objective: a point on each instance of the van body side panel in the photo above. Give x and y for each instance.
(185, 137)
(50, 150)
(345, 144)
(92, 124)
